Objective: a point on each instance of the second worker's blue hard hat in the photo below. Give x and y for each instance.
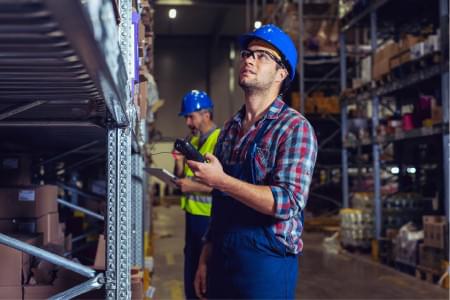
(194, 101)
(276, 37)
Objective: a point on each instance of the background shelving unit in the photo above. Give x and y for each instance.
(389, 92)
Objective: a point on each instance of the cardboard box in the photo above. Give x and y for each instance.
(380, 68)
(435, 232)
(40, 291)
(436, 112)
(15, 264)
(100, 256)
(143, 98)
(32, 202)
(11, 292)
(382, 59)
(49, 226)
(141, 29)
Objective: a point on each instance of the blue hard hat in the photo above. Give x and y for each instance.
(194, 101)
(276, 37)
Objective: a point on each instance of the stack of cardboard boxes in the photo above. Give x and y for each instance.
(317, 103)
(29, 214)
(393, 54)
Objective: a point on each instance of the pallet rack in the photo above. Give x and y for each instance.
(69, 57)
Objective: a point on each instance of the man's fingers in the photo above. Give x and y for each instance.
(203, 284)
(199, 284)
(210, 157)
(193, 164)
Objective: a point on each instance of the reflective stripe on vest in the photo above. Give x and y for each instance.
(199, 203)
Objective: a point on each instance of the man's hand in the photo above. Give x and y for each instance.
(210, 173)
(201, 275)
(179, 163)
(186, 185)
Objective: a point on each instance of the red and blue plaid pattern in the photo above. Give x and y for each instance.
(284, 160)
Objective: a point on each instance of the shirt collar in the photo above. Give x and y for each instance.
(272, 113)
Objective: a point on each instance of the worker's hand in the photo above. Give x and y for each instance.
(177, 155)
(186, 185)
(200, 281)
(210, 173)
(201, 275)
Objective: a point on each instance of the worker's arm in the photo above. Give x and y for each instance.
(258, 197)
(290, 176)
(202, 271)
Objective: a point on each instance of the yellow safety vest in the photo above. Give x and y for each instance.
(199, 203)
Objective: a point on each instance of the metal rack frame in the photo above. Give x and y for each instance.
(374, 95)
(101, 61)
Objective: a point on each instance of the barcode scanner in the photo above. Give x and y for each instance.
(188, 150)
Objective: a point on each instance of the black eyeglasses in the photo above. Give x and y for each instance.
(261, 55)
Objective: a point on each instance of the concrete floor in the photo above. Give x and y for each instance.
(323, 275)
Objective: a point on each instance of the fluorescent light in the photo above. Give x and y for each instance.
(172, 13)
(411, 170)
(257, 24)
(395, 170)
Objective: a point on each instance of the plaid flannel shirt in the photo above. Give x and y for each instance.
(284, 161)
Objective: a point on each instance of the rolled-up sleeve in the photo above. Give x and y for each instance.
(294, 168)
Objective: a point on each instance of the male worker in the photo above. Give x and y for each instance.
(260, 171)
(197, 108)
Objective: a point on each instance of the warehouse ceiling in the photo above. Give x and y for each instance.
(200, 18)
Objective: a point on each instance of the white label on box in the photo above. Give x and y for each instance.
(26, 195)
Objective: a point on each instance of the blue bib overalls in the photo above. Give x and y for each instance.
(247, 260)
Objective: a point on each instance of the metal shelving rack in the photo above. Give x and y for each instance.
(90, 66)
(369, 15)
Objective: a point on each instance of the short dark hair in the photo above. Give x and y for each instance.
(210, 111)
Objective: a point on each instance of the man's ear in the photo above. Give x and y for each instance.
(282, 74)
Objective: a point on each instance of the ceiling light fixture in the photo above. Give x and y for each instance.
(172, 13)
(395, 170)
